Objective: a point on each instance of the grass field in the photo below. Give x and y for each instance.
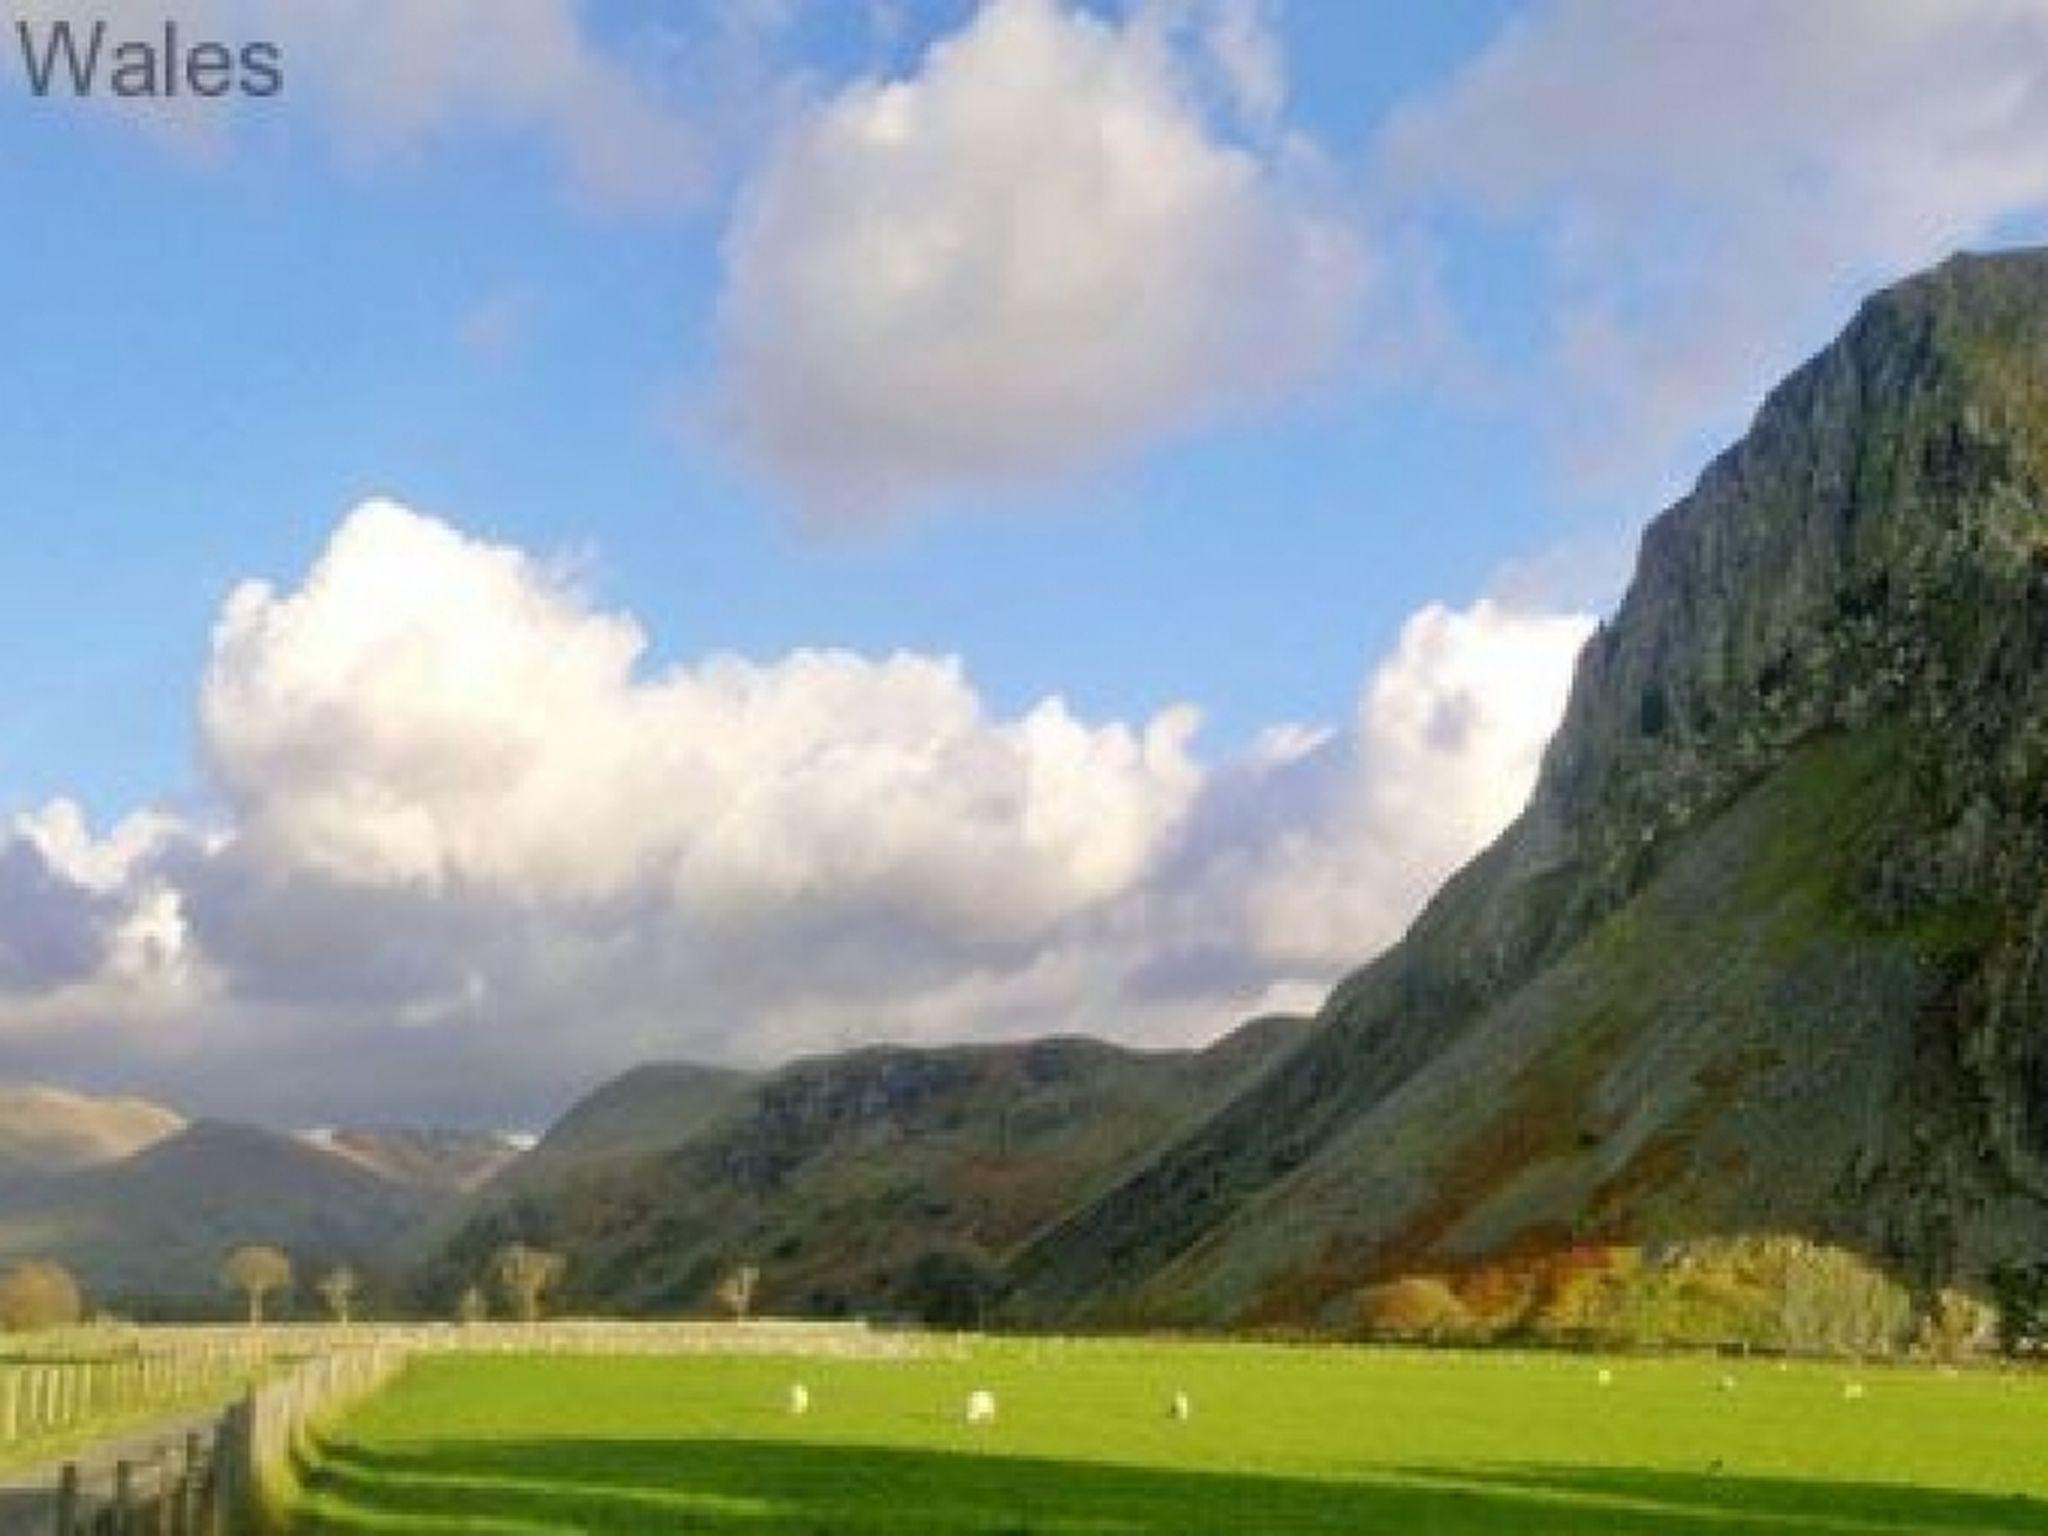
(1280, 1441)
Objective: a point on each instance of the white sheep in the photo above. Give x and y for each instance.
(799, 1399)
(1727, 1383)
(1606, 1377)
(1852, 1391)
(981, 1406)
(1180, 1408)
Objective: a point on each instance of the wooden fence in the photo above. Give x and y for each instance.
(175, 1491)
(236, 1476)
(53, 1399)
(240, 1473)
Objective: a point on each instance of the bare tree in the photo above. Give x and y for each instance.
(525, 1275)
(37, 1294)
(256, 1269)
(338, 1289)
(736, 1291)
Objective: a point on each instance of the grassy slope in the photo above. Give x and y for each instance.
(1282, 1441)
(645, 1111)
(1718, 1055)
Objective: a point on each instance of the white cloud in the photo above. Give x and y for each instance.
(1712, 182)
(432, 711)
(1243, 37)
(391, 74)
(1036, 251)
(92, 916)
(471, 849)
(1445, 749)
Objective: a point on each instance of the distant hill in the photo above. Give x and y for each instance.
(434, 1161)
(154, 1226)
(646, 1110)
(891, 1180)
(47, 1130)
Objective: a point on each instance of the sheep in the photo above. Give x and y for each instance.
(799, 1399)
(1852, 1391)
(1180, 1408)
(981, 1406)
(1727, 1383)
(1606, 1377)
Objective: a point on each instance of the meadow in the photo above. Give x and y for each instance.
(1280, 1440)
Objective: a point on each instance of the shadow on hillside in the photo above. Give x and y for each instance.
(754, 1488)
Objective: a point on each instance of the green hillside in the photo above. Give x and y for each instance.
(891, 1180)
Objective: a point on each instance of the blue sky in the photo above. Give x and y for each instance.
(1304, 364)
(213, 357)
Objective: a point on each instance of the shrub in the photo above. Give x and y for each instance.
(1415, 1307)
(37, 1294)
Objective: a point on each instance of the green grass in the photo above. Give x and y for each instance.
(1281, 1441)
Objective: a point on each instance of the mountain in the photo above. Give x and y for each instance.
(646, 1110)
(435, 1161)
(1768, 949)
(47, 1130)
(889, 1180)
(154, 1226)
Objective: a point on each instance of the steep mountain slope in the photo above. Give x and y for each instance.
(47, 1130)
(1769, 947)
(155, 1226)
(887, 1179)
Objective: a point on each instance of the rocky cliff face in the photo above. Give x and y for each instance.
(1769, 947)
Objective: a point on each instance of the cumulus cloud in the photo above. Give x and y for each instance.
(431, 711)
(470, 848)
(1711, 182)
(1444, 751)
(1038, 249)
(79, 912)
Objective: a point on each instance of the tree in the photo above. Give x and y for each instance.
(256, 1269)
(1413, 1307)
(1958, 1324)
(338, 1289)
(953, 1287)
(525, 1275)
(2021, 1294)
(736, 1291)
(37, 1294)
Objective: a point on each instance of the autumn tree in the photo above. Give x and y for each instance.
(256, 1269)
(526, 1275)
(736, 1291)
(338, 1289)
(1958, 1324)
(37, 1294)
(1413, 1307)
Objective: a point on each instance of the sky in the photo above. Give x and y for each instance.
(582, 532)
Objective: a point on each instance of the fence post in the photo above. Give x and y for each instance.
(124, 1497)
(188, 1488)
(160, 1492)
(67, 1499)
